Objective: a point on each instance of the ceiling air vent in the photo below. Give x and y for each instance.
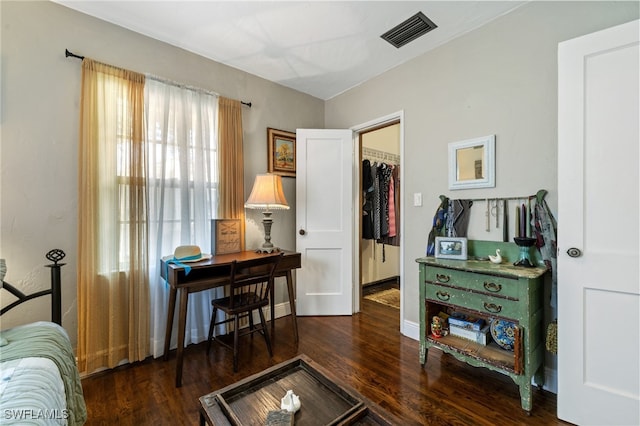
(409, 30)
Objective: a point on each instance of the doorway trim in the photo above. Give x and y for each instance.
(357, 130)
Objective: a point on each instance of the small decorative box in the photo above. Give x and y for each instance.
(480, 336)
(466, 321)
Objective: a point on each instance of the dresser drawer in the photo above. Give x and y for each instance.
(482, 283)
(482, 303)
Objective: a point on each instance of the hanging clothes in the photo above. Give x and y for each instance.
(458, 214)
(377, 214)
(381, 202)
(545, 229)
(384, 176)
(392, 208)
(393, 236)
(367, 201)
(437, 226)
(451, 220)
(395, 239)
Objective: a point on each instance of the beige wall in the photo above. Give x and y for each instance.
(39, 117)
(499, 79)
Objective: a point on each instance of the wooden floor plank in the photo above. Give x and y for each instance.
(366, 351)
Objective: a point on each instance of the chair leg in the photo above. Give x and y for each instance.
(265, 332)
(211, 327)
(236, 327)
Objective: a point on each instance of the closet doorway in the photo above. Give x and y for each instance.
(380, 257)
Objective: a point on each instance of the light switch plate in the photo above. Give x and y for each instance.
(417, 199)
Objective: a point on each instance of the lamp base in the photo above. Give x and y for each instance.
(267, 246)
(267, 250)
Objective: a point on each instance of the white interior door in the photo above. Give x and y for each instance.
(324, 219)
(598, 290)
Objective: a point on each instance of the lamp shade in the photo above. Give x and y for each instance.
(267, 193)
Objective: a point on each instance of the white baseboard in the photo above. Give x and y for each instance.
(550, 380)
(411, 329)
(281, 310)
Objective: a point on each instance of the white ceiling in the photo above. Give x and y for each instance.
(321, 48)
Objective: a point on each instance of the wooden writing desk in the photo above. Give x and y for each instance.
(214, 273)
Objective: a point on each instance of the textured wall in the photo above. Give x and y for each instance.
(40, 97)
(499, 79)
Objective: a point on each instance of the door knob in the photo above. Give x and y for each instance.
(574, 252)
(302, 232)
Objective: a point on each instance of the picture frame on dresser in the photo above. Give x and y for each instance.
(451, 248)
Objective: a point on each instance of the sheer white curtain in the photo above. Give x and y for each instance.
(183, 193)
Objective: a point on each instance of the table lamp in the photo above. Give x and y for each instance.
(267, 195)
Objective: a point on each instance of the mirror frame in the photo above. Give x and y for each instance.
(489, 160)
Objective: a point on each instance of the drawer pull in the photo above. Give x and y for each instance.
(443, 278)
(443, 295)
(492, 307)
(492, 287)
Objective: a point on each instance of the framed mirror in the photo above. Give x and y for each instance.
(472, 163)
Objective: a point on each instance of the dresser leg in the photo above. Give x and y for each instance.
(525, 394)
(423, 354)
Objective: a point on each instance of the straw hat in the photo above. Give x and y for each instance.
(187, 254)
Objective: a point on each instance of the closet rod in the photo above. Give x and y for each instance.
(73, 55)
(539, 196)
(525, 197)
(372, 153)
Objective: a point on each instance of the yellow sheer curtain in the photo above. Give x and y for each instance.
(231, 203)
(113, 287)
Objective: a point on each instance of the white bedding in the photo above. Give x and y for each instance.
(32, 391)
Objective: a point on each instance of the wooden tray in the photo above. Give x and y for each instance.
(323, 400)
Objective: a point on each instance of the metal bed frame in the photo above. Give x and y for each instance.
(55, 256)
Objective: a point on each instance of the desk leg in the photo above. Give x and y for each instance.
(167, 334)
(272, 303)
(292, 304)
(182, 323)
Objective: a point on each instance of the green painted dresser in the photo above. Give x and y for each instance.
(490, 291)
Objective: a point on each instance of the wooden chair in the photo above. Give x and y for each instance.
(250, 283)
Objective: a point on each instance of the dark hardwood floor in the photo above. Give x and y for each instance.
(366, 351)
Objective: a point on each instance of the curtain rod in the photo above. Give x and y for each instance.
(73, 55)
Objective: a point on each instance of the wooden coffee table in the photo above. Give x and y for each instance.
(324, 401)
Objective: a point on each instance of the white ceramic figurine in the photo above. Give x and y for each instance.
(497, 258)
(290, 402)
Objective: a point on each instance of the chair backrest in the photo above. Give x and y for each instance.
(252, 277)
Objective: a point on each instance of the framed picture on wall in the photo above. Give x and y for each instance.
(281, 149)
(451, 248)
